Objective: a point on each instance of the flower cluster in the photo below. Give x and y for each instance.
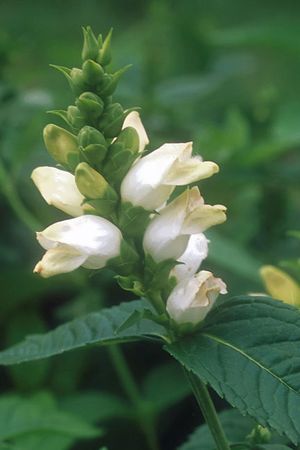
(126, 211)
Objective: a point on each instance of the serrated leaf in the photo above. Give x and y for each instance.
(94, 328)
(249, 352)
(236, 428)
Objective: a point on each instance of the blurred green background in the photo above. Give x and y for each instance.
(223, 74)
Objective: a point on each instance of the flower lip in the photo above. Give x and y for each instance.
(59, 189)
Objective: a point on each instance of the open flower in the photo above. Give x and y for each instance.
(133, 120)
(193, 298)
(59, 189)
(152, 179)
(168, 233)
(195, 253)
(88, 241)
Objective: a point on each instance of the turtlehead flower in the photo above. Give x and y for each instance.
(168, 233)
(152, 179)
(133, 120)
(59, 189)
(88, 241)
(193, 298)
(280, 285)
(195, 253)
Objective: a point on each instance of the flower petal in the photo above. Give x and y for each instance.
(192, 298)
(187, 172)
(59, 189)
(195, 253)
(61, 259)
(133, 120)
(280, 285)
(89, 235)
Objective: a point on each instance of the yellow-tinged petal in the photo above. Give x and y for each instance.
(280, 285)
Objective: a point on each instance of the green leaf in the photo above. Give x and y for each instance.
(39, 414)
(236, 428)
(165, 386)
(249, 352)
(272, 447)
(96, 406)
(42, 440)
(94, 328)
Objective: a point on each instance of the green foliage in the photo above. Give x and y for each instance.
(95, 328)
(236, 428)
(247, 352)
(28, 421)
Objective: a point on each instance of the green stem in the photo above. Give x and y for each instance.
(208, 410)
(12, 196)
(130, 388)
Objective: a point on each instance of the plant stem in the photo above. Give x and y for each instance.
(132, 392)
(208, 410)
(12, 196)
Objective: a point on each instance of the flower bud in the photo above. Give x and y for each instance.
(104, 55)
(280, 285)
(61, 145)
(93, 145)
(92, 73)
(89, 241)
(150, 181)
(168, 233)
(90, 48)
(59, 189)
(133, 120)
(77, 81)
(94, 187)
(112, 120)
(122, 154)
(90, 105)
(193, 298)
(75, 117)
(90, 182)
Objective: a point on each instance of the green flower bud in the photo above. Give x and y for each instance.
(104, 56)
(94, 146)
(77, 81)
(92, 73)
(129, 139)
(75, 117)
(90, 105)
(112, 120)
(62, 146)
(90, 48)
(100, 195)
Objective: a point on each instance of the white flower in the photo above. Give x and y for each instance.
(59, 189)
(88, 241)
(152, 179)
(192, 298)
(195, 253)
(133, 120)
(168, 233)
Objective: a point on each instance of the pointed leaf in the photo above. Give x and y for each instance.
(249, 352)
(94, 328)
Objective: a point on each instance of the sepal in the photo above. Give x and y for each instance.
(133, 220)
(110, 82)
(128, 261)
(75, 117)
(90, 105)
(92, 73)
(104, 55)
(62, 146)
(90, 48)
(93, 146)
